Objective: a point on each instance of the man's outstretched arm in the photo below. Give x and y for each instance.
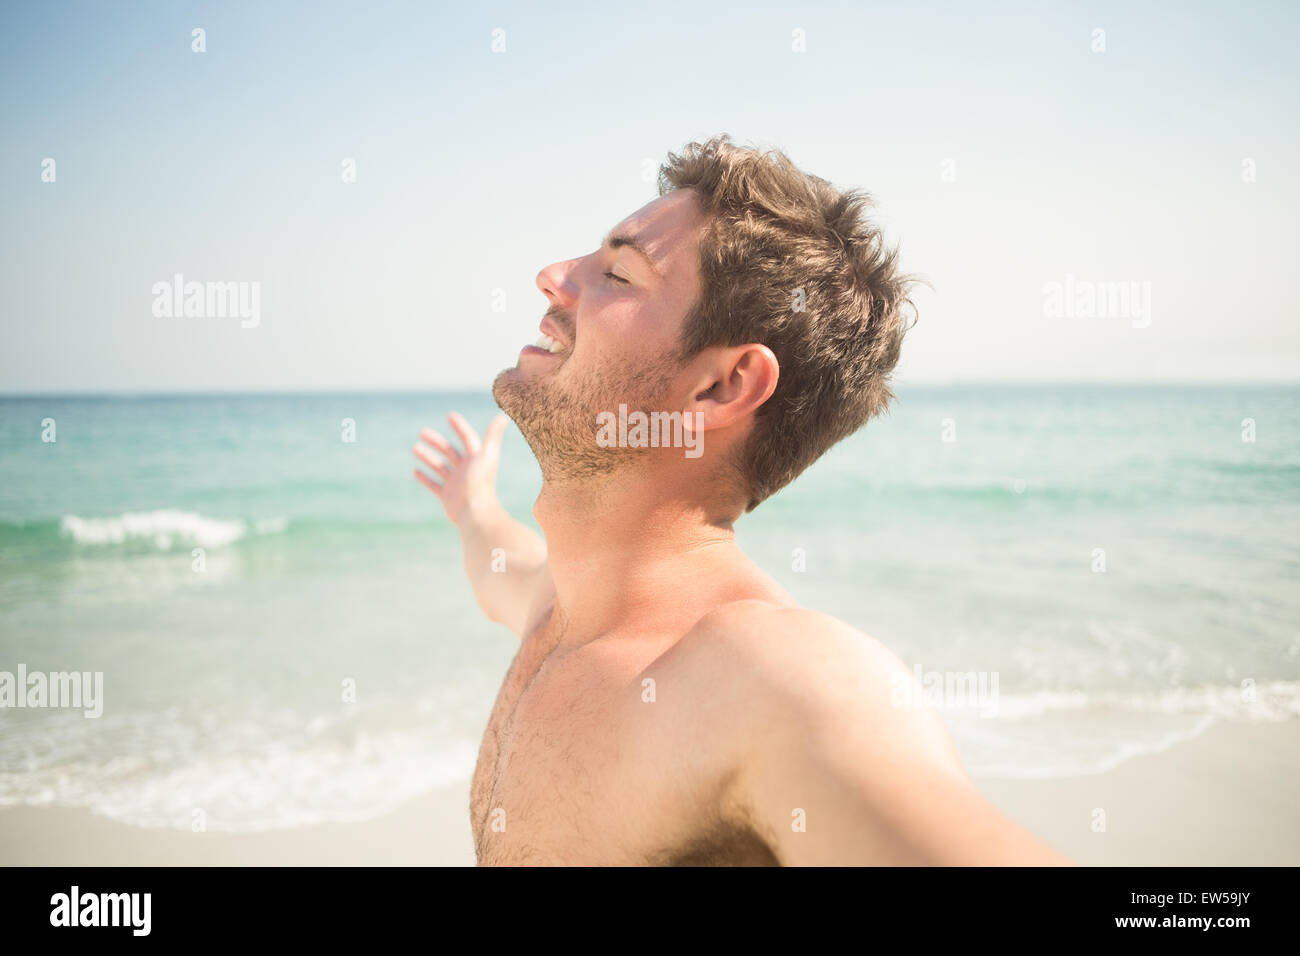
(845, 763)
(507, 587)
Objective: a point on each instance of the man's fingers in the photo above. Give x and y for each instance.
(466, 433)
(428, 482)
(440, 443)
(432, 460)
(495, 430)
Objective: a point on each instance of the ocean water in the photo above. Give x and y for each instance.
(326, 567)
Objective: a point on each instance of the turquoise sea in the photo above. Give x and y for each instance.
(324, 566)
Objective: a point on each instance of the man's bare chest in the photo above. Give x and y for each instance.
(581, 764)
(548, 768)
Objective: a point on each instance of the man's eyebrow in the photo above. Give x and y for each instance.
(621, 239)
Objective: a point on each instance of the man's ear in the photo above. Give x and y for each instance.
(733, 383)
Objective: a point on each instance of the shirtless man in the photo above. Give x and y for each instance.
(669, 703)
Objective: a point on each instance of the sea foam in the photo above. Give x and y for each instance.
(165, 528)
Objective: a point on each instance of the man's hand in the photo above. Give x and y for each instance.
(468, 477)
(504, 560)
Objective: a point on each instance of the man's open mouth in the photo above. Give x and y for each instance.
(549, 344)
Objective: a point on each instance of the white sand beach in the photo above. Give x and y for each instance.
(1230, 797)
(432, 830)
(1226, 798)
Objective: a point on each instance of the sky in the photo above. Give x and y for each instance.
(1018, 157)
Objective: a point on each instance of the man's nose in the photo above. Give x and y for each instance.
(555, 282)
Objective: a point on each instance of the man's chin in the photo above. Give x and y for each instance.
(505, 375)
(517, 376)
(515, 393)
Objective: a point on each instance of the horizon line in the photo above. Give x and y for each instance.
(165, 392)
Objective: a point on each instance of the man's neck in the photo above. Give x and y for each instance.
(637, 554)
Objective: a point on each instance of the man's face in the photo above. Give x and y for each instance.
(615, 317)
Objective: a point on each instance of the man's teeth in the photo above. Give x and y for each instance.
(548, 343)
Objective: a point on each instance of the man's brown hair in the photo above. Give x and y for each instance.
(778, 238)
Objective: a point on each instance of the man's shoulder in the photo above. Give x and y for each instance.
(779, 645)
(771, 670)
(793, 658)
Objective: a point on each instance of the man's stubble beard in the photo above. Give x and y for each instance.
(558, 420)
